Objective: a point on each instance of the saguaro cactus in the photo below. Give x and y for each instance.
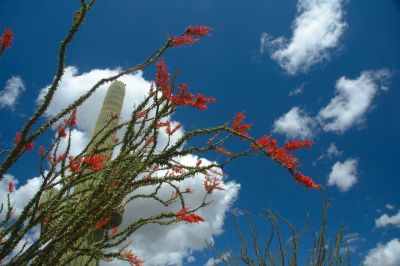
(112, 106)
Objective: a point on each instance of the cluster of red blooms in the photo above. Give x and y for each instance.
(211, 183)
(239, 126)
(295, 145)
(71, 121)
(94, 161)
(27, 147)
(182, 215)
(10, 186)
(61, 131)
(103, 222)
(6, 38)
(182, 98)
(191, 35)
(283, 157)
(133, 259)
(167, 124)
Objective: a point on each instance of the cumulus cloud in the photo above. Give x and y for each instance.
(157, 245)
(9, 95)
(317, 29)
(218, 261)
(386, 220)
(384, 254)
(352, 100)
(294, 124)
(389, 206)
(344, 175)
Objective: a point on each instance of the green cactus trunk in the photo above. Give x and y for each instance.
(112, 105)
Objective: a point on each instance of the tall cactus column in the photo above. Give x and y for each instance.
(112, 105)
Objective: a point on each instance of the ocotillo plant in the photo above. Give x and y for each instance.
(71, 212)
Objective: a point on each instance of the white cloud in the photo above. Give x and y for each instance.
(317, 29)
(333, 151)
(389, 206)
(384, 255)
(295, 124)
(9, 95)
(352, 100)
(344, 175)
(157, 245)
(169, 245)
(386, 220)
(218, 261)
(297, 91)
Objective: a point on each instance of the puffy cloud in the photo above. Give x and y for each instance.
(344, 175)
(9, 95)
(333, 151)
(352, 100)
(294, 124)
(297, 91)
(386, 220)
(169, 245)
(317, 29)
(157, 245)
(384, 254)
(214, 262)
(389, 206)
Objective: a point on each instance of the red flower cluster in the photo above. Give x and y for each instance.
(133, 259)
(211, 183)
(238, 124)
(103, 222)
(41, 150)
(191, 35)
(182, 215)
(283, 157)
(27, 147)
(198, 31)
(6, 38)
(295, 145)
(61, 131)
(10, 186)
(95, 161)
(183, 40)
(74, 166)
(71, 121)
(305, 180)
(182, 98)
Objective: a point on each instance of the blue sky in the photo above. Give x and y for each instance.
(326, 70)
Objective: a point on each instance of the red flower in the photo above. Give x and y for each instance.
(265, 142)
(211, 183)
(182, 40)
(103, 222)
(41, 150)
(27, 147)
(10, 186)
(162, 79)
(170, 131)
(149, 140)
(163, 124)
(115, 139)
(238, 124)
(182, 215)
(305, 180)
(95, 161)
(141, 114)
(132, 258)
(188, 190)
(74, 166)
(71, 121)
(198, 31)
(6, 38)
(61, 131)
(295, 145)
(114, 231)
(188, 99)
